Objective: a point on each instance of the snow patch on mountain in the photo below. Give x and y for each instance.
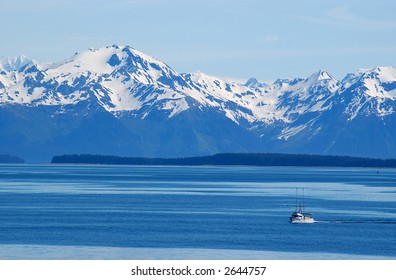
(290, 131)
(175, 107)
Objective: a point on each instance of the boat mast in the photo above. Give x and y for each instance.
(303, 202)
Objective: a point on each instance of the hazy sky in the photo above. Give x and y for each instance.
(225, 38)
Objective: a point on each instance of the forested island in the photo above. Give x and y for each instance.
(248, 159)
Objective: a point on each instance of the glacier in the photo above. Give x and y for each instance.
(117, 100)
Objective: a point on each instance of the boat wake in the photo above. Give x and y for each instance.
(355, 222)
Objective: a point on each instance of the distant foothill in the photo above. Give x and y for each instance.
(232, 159)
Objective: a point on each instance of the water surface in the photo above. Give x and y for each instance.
(203, 209)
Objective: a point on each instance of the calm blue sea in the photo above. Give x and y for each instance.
(181, 210)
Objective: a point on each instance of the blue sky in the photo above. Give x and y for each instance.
(234, 38)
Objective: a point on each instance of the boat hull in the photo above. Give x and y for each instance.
(302, 221)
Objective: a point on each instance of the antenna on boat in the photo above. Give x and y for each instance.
(296, 199)
(303, 202)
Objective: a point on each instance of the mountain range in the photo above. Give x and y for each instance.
(119, 101)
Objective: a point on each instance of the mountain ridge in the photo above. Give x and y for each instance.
(141, 98)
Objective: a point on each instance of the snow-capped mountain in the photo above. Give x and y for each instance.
(371, 91)
(118, 100)
(115, 78)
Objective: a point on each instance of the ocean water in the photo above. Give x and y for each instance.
(162, 212)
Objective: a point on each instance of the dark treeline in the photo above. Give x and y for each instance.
(251, 159)
(10, 159)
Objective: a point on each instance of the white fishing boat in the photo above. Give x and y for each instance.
(299, 216)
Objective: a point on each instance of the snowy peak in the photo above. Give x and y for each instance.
(382, 74)
(91, 60)
(210, 83)
(386, 74)
(254, 83)
(369, 92)
(322, 79)
(14, 63)
(319, 83)
(109, 59)
(124, 79)
(379, 82)
(320, 75)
